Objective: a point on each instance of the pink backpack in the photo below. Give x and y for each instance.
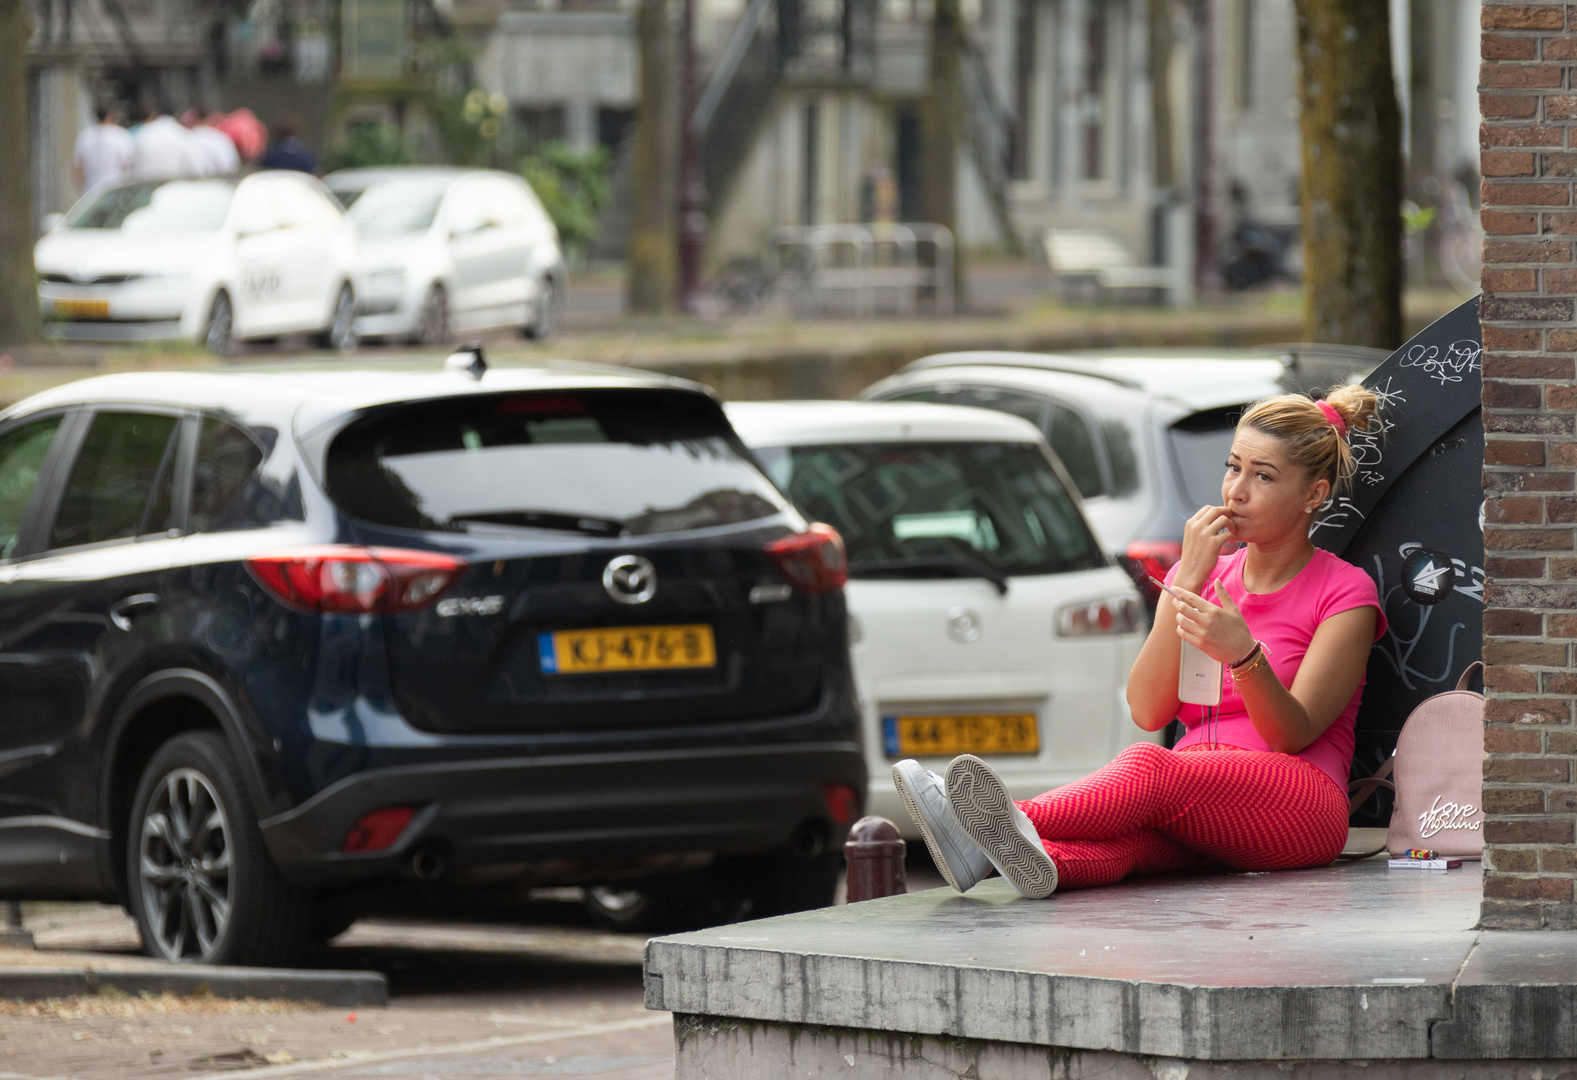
(1437, 773)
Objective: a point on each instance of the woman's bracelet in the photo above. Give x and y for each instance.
(1254, 661)
(1247, 656)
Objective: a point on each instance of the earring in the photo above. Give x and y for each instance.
(1308, 509)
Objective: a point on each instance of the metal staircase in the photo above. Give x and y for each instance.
(989, 128)
(832, 43)
(828, 42)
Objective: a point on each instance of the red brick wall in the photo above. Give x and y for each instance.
(1529, 160)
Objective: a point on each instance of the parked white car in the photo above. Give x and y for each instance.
(210, 260)
(1144, 433)
(984, 616)
(447, 251)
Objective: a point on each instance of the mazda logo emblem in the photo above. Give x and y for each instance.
(630, 579)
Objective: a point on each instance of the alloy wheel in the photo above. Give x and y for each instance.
(434, 326)
(221, 324)
(547, 315)
(185, 864)
(342, 331)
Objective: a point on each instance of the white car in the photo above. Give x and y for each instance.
(210, 261)
(1143, 433)
(983, 616)
(448, 251)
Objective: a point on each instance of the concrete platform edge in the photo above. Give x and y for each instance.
(340, 989)
(716, 1048)
(1211, 1023)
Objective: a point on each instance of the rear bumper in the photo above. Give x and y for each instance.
(113, 330)
(385, 323)
(568, 819)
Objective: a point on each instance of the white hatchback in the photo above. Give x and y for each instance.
(208, 260)
(983, 615)
(447, 251)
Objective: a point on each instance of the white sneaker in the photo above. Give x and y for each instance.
(983, 809)
(958, 857)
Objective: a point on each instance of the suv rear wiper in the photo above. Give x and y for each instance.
(962, 566)
(546, 519)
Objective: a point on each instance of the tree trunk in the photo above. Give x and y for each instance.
(1352, 174)
(18, 283)
(940, 112)
(654, 166)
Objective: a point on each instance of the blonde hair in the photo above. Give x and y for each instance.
(1311, 439)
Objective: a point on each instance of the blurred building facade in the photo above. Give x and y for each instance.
(1171, 124)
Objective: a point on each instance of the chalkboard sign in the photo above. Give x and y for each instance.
(1414, 520)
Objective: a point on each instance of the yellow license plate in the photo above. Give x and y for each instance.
(81, 309)
(948, 736)
(626, 648)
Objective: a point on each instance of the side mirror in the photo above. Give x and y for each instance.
(51, 222)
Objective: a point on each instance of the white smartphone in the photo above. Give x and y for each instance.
(1198, 677)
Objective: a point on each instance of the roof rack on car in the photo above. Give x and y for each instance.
(469, 359)
(1038, 361)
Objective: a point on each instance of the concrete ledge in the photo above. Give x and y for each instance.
(1515, 998)
(335, 988)
(707, 1048)
(1339, 963)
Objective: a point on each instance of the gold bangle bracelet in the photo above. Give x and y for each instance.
(1247, 670)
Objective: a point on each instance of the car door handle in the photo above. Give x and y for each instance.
(122, 609)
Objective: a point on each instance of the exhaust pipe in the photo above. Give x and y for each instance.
(427, 864)
(809, 841)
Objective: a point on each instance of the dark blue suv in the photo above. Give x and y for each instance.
(281, 647)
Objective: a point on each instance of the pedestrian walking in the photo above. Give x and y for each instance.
(164, 147)
(214, 151)
(246, 131)
(104, 151)
(287, 151)
(1259, 780)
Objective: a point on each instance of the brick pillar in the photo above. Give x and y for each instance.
(1528, 96)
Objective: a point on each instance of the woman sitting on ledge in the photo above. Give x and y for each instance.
(1258, 782)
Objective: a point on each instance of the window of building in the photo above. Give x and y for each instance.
(614, 126)
(539, 124)
(1100, 123)
(1245, 54)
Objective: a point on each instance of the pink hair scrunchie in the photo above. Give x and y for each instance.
(1334, 417)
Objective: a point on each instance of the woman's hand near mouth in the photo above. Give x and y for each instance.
(1205, 537)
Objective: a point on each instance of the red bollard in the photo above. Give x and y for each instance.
(874, 854)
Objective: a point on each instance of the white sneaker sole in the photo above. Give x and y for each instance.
(984, 811)
(912, 805)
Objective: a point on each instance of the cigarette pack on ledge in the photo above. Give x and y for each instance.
(1423, 859)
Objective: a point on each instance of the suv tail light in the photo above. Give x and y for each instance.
(377, 830)
(1145, 559)
(1113, 615)
(843, 803)
(812, 561)
(350, 580)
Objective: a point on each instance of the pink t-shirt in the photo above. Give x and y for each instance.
(1285, 620)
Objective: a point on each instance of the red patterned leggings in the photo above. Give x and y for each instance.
(1154, 810)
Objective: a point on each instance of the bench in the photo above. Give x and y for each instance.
(1092, 263)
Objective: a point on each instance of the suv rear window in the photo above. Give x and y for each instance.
(912, 506)
(1201, 443)
(598, 462)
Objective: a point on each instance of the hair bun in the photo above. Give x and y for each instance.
(1356, 404)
